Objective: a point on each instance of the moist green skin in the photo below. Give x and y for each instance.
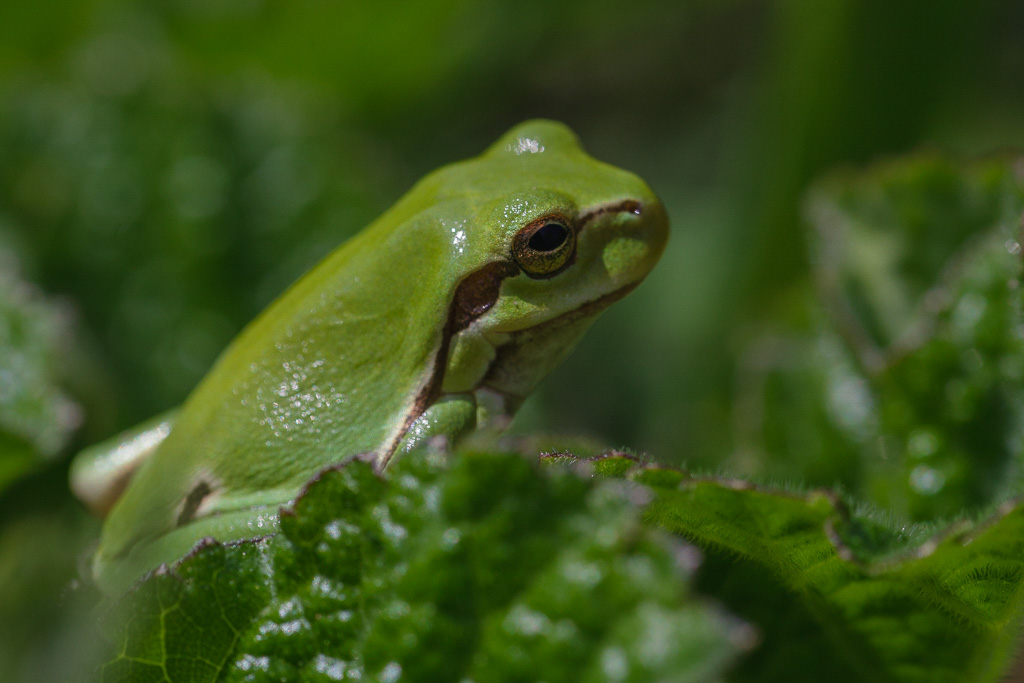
(424, 324)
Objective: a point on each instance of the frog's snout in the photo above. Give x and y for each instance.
(652, 226)
(632, 234)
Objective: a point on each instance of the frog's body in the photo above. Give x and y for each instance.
(437, 319)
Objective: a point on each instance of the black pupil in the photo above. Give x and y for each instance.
(549, 237)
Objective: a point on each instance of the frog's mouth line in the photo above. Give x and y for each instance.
(506, 353)
(582, 311)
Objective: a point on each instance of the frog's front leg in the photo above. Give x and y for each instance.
(452, 416)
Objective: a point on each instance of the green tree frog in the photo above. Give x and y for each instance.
(438, 319)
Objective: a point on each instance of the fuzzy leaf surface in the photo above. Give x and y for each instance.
(838, 593)
(479, 567)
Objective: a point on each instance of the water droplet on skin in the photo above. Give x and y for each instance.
(523, 145)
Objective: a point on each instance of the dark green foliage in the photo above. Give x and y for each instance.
(167, 169)
(907, 388)
(934, 319)
(171, 211)
(837, 595)
(38, 552)
(481, 569)
(36, 415)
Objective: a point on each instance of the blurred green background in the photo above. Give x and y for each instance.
(166, 169)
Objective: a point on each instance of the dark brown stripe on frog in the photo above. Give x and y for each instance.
(476, 294)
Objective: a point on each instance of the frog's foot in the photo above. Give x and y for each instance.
(115, 575)
(450, 417)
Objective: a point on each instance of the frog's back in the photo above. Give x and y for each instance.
(326, 372)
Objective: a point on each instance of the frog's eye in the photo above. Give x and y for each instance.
(544, 247)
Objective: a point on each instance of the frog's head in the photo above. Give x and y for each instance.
(551, 238)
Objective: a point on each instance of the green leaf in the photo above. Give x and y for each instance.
(920, 265)
(837, 593)
(895, 239)
(478, 567)
(903, 382)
